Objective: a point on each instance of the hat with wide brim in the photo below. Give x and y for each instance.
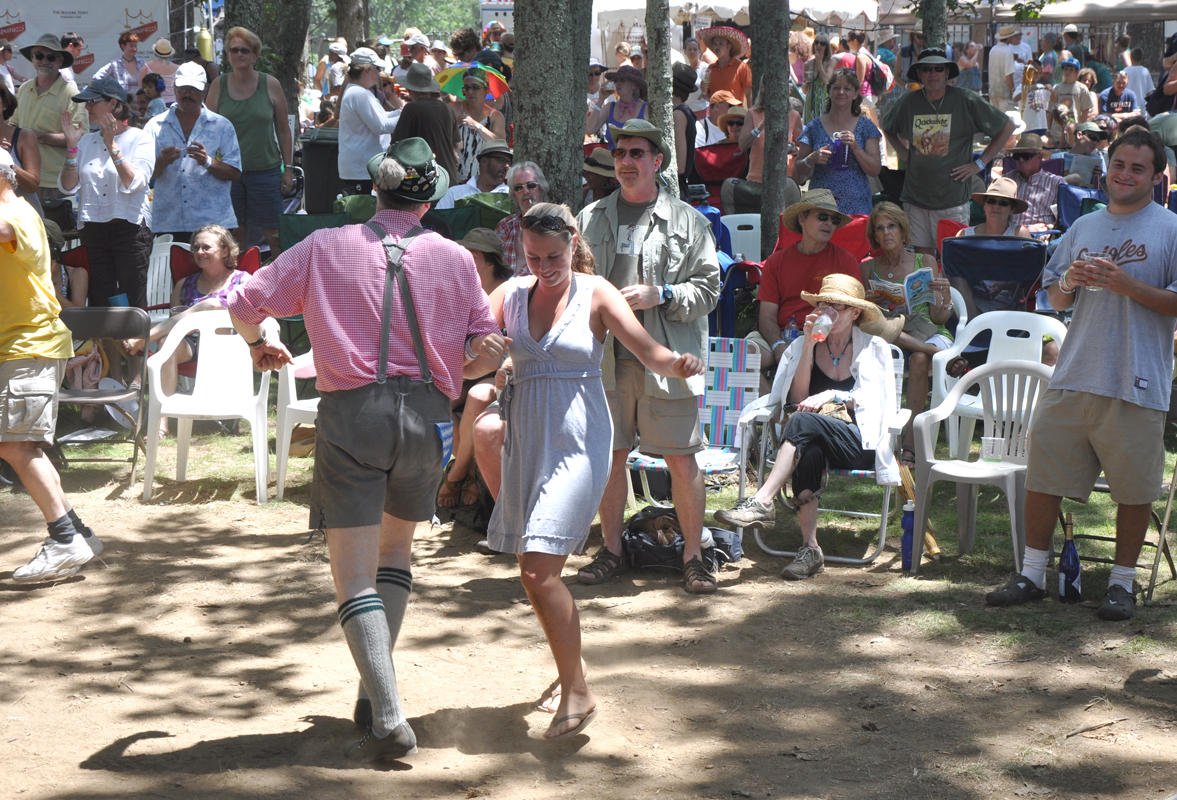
(425, 181)
(49, 42)
(600, 162)
(419, 78)
(484, 240)
(1002, 189)
(627, 73)
(105, 88)
(643, 129)
(820, 199)
(737, 38)
(735, 112)
(846, 290)
(1028, 143)
(493, 147)
(1008, 32)
(884, 34)
(931, 56)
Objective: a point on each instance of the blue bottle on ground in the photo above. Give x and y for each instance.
(1070, 588)
(908, 523)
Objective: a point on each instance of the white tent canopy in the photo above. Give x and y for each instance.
(848, 13)
(894, 12)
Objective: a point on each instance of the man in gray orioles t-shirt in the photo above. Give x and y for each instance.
(1106, 404)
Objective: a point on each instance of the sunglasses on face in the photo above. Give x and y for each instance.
(96, 100)
(934, 68)
(519, 187)
(736, 123)
(993, 201)
(473, 87)
(50, 57)
(548, 223)
(1025, 156)
(595, 73)
(834, 218)
(636, 153)
(240, 51)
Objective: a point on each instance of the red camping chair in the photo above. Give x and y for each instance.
(715, 163)
(78, 258)
(947, 229)
(851, 237)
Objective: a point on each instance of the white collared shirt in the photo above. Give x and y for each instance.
(102, 196)
(364, 128)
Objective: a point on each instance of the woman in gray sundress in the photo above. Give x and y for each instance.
(557, 452)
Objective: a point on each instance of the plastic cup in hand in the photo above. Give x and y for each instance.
(821, 327)
(1090, 263)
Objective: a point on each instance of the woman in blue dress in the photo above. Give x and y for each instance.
(842, 122)
(970, 68)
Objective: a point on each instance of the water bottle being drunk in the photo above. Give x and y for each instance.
(823, 324)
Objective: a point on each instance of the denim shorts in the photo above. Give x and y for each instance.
(257, 198)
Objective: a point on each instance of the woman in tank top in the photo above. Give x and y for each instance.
(480, 123)
(255, 104)
(628, 103)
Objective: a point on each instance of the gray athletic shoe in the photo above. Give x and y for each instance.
(399, 743)
(809, 562)
(1118, 604)
(96, 546)
(748, 513)
(55, 560)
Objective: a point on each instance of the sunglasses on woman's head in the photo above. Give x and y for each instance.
(636, 153)
(934, 68)
(548, 223)
(473, 87)
(50, 57)
(519, 187)
(993, 201)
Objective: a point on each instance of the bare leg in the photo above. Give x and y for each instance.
(918, 382)
(690, 501)
(1131, 527)
(557, 614)
(767, 362)
(612, 508)
(169, 377)
(807, 519)
(39, 477)
(786, 459)
(477, 399)
(1041, 519)
(489, 432)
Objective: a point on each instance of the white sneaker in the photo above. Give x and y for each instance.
(93, 541)
(55, 560)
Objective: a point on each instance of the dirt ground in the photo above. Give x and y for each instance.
(203, 660)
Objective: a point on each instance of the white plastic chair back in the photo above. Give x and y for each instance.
(962, 312)
(163, 238)
(159, 279)
(291, 411)
(745, 233)
(1008, 394)
(897, 365)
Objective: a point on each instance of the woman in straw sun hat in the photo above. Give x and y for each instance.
(1001, 203)
(851, 366)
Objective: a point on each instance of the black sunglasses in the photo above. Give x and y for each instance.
(519, 187)
(240, 51)
(50, 57)
(595, 73)
(824, 217)
(739, 123)
(993, 201)
(933, 68)
(636, 153)
(548, 223)
(1025, 156)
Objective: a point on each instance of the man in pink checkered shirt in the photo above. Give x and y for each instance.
(383, 431)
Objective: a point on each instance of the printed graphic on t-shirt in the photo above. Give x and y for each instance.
(629, 239)
(1127, 253)
(931, 134)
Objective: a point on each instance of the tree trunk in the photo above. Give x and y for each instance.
(660, 111)
(286, 37)
(935, 23)
(549, 91)
(770, 74)
(350, 22)
(249, 14)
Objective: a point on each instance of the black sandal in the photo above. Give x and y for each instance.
(693, 571)
(604, 567)
(958, 367)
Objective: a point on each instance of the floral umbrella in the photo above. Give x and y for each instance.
(451, 82)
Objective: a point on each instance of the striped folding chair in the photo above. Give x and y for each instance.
(733, 381)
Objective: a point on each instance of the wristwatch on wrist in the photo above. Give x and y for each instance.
(667, 294)
(259, 342)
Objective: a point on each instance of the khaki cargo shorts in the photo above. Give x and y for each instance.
(28, 399)
(667, 427)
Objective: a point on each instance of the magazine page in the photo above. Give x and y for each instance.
(918, 287)
(891, 295)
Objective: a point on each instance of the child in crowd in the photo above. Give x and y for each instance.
(153, 85)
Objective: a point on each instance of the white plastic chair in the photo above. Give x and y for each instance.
(894, 428)
(163, 238)
(159, 279)
(962, 312)
(745, 232)
(223, 389)
(1016, 335)
(291, 411)
(1009, 391)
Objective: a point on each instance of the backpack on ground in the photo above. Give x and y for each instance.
(652, 540)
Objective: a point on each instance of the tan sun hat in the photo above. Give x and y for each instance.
(735, 112)
(1028, 143)
(846, 290)
(1008, 32)
(600, 162)
(822, 199)
(1003, 189)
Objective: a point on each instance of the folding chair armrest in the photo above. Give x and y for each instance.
(898, 422)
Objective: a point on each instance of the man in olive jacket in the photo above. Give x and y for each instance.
(659, 252)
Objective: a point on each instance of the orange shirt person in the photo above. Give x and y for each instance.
(728, 72)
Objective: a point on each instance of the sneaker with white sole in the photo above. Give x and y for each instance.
(809, 561)
(96, 546)
(748, 513)
(55, 560)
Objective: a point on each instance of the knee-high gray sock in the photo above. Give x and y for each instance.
(366, 631)
(394, 587)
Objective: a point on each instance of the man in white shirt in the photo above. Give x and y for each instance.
(707, 131)
(494, 159)
(73, 44)
(1001, 59)
(1140, 81)
(419, 51)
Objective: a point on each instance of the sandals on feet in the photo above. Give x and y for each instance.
(584, 718)
(471, 494)
(694, 572)
(450, 491)
(603, 568)
(958, 367)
